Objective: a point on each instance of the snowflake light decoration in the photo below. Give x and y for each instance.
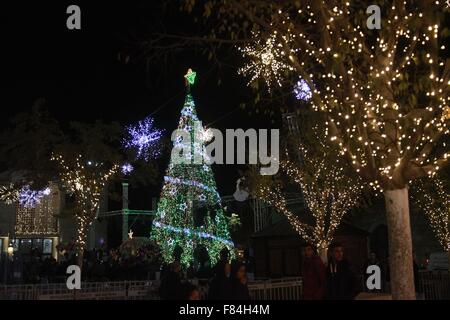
(302, 91)
(266, 60)
(30, 198)
(126, 168)
(145, 138)
(9, 194)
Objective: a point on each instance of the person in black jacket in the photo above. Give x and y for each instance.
(342, 283)
(239, 282)
(220, 287)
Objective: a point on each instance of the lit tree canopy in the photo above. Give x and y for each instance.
(85, 180)
(328, 191)
(385, 91)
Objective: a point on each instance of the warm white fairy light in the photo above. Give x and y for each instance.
(9, 194)
(86, 183)
(328, 193)
(267, 60)
(41, 218)
(434, 201)
(385, 120)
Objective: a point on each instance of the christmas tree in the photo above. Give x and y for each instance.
(190, 217)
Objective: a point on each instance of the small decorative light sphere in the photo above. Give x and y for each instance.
(127, 168)
(46, 191)
(302, 91)
(10, 250)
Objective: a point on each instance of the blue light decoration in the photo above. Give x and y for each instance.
(302, 91)
(190, 232)
(126, 168)
(30, 198)
(145, 138)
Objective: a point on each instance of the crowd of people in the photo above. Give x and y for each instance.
(229, 282)
(336, 280)
(333, 280)
(98, 265)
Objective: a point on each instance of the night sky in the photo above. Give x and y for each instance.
(84, 76)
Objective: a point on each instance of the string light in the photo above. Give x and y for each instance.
(86, 184)
(145, 138)
(187, 187)
(9, 194)
(328, 194)
(386, 121)
(434, 200)
(41, 218)
(266, 60)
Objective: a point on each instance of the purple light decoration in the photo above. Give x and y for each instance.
(302, 90)
(144, 137)
(30, 198)
(127, 168)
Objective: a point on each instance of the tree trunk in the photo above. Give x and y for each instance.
(400, 244)
(323, 254)
(80, 243)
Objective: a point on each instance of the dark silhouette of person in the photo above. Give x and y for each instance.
(342, 283)
(239, 282)
(171, 285)
(220, 287)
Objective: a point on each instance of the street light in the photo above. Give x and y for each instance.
(10, 251)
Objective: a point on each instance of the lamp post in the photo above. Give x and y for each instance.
(124, 210)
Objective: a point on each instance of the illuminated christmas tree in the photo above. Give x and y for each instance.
(190, 216)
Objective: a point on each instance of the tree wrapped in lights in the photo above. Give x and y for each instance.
(86, 181)
(328, 192)
(384, 91)
(190, 215)
(432, 197)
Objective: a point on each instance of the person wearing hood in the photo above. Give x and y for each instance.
(342, 283)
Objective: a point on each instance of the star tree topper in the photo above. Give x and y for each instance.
(190, 77)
